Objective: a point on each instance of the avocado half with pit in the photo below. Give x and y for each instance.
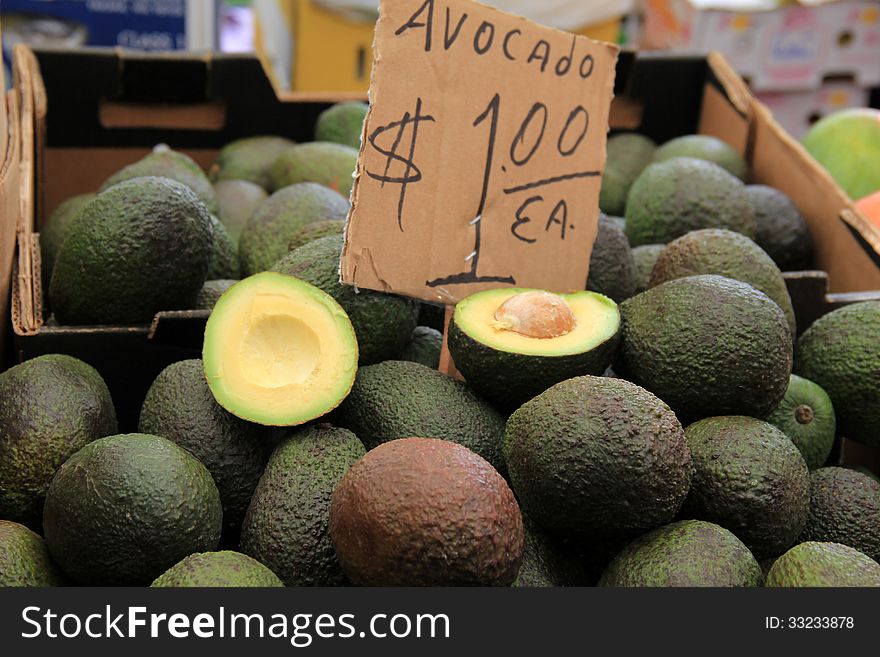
(279, 351)
(512, 344)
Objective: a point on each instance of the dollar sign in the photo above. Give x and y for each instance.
(411, 172)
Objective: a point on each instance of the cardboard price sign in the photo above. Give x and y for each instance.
(482, 153)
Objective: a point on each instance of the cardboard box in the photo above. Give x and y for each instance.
(792, 47)
(10, 157)
(90, 113)
(136, 24)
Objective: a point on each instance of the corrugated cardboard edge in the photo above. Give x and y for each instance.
(9, 212)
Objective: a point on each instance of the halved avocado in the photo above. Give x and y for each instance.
(512, 344)
(279, 351)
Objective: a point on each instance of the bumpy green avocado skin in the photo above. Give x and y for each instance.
(806, 415)
(672, 198)
(725, 253)
(342, 123)
(166, 163)
(224, 259)
(180, 407)
(596, 457)
(218, 569)
(844, 508)
(267, 235)
(54, 232)
(547, 562)
(781, 230)
(399, 399)
(704, 147)
(142, 246)
(24, 559)
(611, 263)
(320, 162)
(238, 201)
(707, 345)
(383, 322)
(685, 553)
(814, 564)
(426, 512)
(841, 353)
(627, 157)
(288, 520)
(125, 508)
(509, 379)
(315, 231)
(644, 258)
(424, 347)
(748, 478)
(250, 158)
(50, 407)
(211, 291)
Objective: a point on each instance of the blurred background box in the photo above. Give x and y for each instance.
(326, 45)
(798, 110)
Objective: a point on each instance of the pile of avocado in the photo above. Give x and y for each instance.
(664, 426)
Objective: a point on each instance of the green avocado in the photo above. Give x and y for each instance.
(266, 236)
(815, 564)
(166, 163)
(320, 162)
(644, 258)
(287, 522)
(611, 263)
(511, 344)
(212, 291)
(125, 508)
(725, 253)
(597, 458)
(627, 156)
(315, 231)
(844, 508)
(238, 201)
(218, 569)
(342, 123)
(685, 553)
(180, 407)
(142, 246)
(781, 230)
(424, 347)
(400, 399)
(749, 478)
(806, 415)
(546, 561)
(50, 407)
(841, 353)
(54, 232)
(250, 159)
(707, 345)
(24, 559)
(383, 322)
(704, 147)
(224, 259)
(672, 198)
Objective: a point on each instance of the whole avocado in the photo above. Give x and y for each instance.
(748, 478)
(217, 569)
(806, 415)
(627, 156)
(672, 198)
(342, 123)
(399, 399)
(286, 526)
(53, 233)
(844, 508)
(24, 559)
(546, 561)
(320, 162)
(211, 291)
(250, 159)
(781, 229)
(266, 236)
(224, 258)
(142, 246)
(315, 231)
(180, 407)
(725, 253)
(426, 512)
(596, 457)
(383, 322)
(125, 508)
(841, 353)
(813, 564)
(424, 347)
(238, 201)
(611, 263)
(644, 258)
(707, 345)
(704, 147)
(685, 553)
(50, 407)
